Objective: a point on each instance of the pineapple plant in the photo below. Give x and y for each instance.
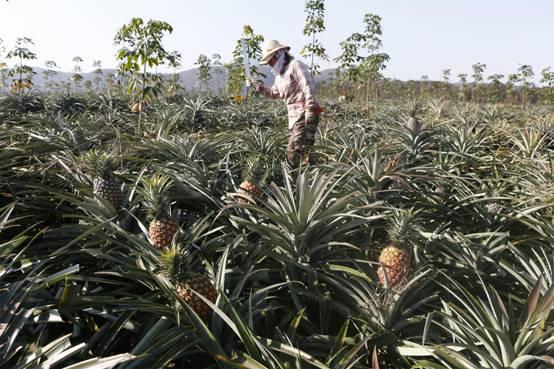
(162, 227)
(495, 204)
(413, 123)
(395, 258)
(184, 270)
(105, 184)
(253, 174)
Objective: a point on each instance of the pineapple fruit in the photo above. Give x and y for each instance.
(494, 193)
(413, 123)
(395, 265)
(105, 184)
(162, 230)
(253, 174)
(202, 285)
(493, 207)
(163, 226)
(182, 266)
(249, 188)
(395, 259)
(109, 188)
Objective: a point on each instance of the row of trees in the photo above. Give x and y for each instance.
(359, 71)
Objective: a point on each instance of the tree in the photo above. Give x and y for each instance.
(3, 67)
(204, 71)
(97, 64)
(446, 75)
(218, 69)
(496, 87)
(174, 61)
(513, 80)
(23, 72)
(77, 77)
(478, 70)
(349, 59)
(88, 85)
(110, 81)
(548, 81)
(463, 89)
(49, 73)
(235, 69)
(315, 12)
(141, 48)
(358, 68)
(375, 61)
(424, 83)
(525, 73)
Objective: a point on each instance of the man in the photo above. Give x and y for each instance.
(295, 85)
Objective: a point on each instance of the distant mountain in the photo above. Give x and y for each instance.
(188, 79)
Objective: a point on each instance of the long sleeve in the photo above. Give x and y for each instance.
(306, 84)
(271, 92)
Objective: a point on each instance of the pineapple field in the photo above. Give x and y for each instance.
(195, 245)
(147, 226)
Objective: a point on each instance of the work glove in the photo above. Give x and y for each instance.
(311, 118)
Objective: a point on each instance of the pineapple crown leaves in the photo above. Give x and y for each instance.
(180, 261)
(415, 107)
(155, 194)
(173, 263)
(404, 226)
(256, 169)
(100, 163)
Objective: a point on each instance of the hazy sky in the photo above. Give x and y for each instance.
(421, 36)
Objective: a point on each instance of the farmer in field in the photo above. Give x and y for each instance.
(294, 84)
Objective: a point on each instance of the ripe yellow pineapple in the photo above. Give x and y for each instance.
(162, 230)
(250, 188)
(394, 265)
(395, 259)
(162, 226)
(203, 286)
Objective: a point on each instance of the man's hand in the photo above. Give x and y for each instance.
(311, 118)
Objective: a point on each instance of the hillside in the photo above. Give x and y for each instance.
(188, 78)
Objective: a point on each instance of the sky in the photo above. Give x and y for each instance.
(422, 37)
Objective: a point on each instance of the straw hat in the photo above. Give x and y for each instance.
(270, 48)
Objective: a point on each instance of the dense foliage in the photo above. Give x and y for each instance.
(467, 192)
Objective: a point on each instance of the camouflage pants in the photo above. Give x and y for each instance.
(302, 137)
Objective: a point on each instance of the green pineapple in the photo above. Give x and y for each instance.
(412, 122)
(163, 226)
(105, 184)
